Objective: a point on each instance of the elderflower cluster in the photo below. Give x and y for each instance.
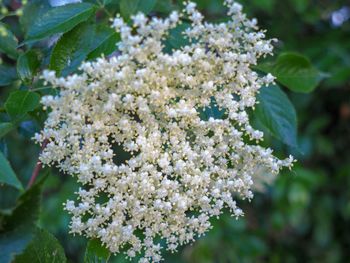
(137, 131)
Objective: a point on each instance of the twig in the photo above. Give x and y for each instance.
(37, 168)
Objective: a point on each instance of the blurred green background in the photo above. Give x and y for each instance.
(305, 215)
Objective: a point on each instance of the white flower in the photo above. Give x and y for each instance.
(138, 131)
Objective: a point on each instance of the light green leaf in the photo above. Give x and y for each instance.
(7, 75)
(131, 7)
(5, 127)
(59, 19)
(104, 42)
(8, 42)
(43, 248)
(7, 175)
(277, 114)
(72, 48)
(20, 102)
(294, 71)
(27, 65)
(96, 252)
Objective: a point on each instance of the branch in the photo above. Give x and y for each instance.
(38, 166)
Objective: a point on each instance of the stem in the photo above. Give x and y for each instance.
(38, 167)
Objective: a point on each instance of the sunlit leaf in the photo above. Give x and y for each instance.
(294, 71)
(59, 19)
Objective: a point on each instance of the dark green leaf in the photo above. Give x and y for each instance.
(104, 42)
(107, 2)
(5, 127)
(277, 114)
(27, 65)
(131, 7)
(7, 75)
(43, 248)
(7, 175)
(8, 42)
(17, 229)
(31, 11)
(20, 102)
(294, 71)
(96, 252)
(13, 243)
(72, 48)
(59, 19)
(300, 5)
(176, 38)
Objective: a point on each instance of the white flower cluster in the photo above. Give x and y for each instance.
(137, 131)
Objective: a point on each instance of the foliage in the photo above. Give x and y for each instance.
(301, 218)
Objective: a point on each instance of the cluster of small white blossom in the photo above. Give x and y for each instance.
(138, 133)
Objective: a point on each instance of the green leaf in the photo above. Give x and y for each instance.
(294, 71)
(13, 243)
(176, 38)
(131, 7)
(96, 252)
(266, 5)
(31, 11)
(17, 229)
(20, 102)
(277, 114)
(59, 19)
(5, 127)
(7, 175)
(72, 48)
(300, 5)
(43, 248)
(107, 2)
(104, 42)
(86, 41)
(27, 65)
(8, 42)
(7, 75)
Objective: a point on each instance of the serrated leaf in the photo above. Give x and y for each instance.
(43, 248)
(17, 228)
(131, 7)
(5, 127)
(20, 102)
(277, 114)
(27, 65)
(8, 42)
(104, 42)
(72, 48)
(7, 175)
(96, 252)
(7, 75)
(294, 71)
(59, 19)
